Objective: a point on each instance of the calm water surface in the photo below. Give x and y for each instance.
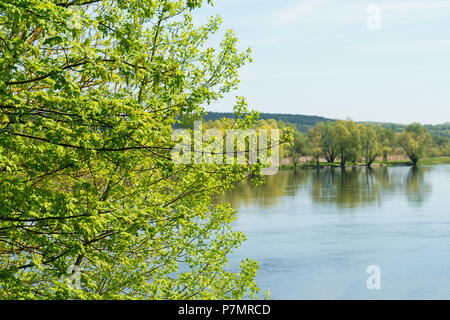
(314, 233)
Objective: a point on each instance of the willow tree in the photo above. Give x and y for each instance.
(89, 93)
(326, 132)
(298, 147)
(388, 139)
(347, 135)
(414, 141)
(315, 145)
(374, 142)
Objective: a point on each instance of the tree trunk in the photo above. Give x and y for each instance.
(342, 161)
(414, 160)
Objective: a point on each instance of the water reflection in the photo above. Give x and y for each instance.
(348, 188)
(266, 195)
(314, 233)
(417, 188)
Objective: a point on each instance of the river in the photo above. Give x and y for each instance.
(315, 233)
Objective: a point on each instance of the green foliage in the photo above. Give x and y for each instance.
(347, 136)
(86, 177)
(439, 146)
(304, 123)
(348, 141)
(442, 130)
(414, 141)
(298, 147)
(325, 136)
(375, 141)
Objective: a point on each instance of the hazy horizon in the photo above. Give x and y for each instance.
(319, 57)
(328, 118)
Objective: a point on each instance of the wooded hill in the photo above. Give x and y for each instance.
(304, 122)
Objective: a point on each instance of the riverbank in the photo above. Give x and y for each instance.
(392, 163)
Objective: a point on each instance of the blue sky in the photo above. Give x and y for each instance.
(318, 57)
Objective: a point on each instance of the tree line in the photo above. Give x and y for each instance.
(351, 142)
(304, 122)
(345, 142)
